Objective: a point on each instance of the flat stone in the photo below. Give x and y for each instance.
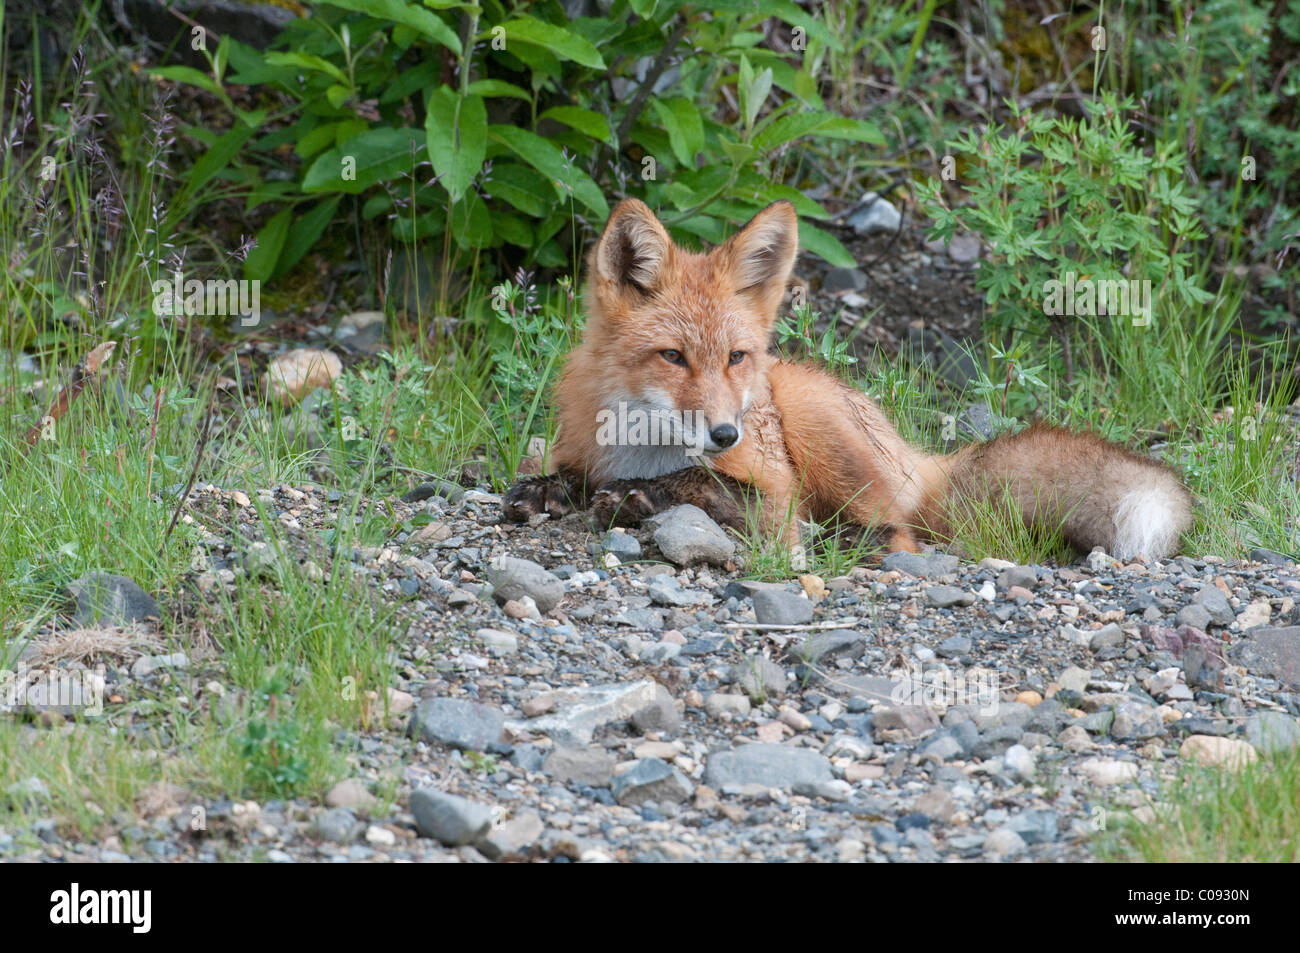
(772, 766)
(589, 767)
(110, 600)
(685, 534)
(457, 723)
(513, 837)
(760, 677)
(1107, 771)
(1212, 750)
(581, 711)
(352, 794)
(1272, 731)
(513, 578)
(651, 779)
(924, 567)
(498, 642)
(942, 597)
(1022, 576)
(1272, 652)
(781, 607)
(448, 818)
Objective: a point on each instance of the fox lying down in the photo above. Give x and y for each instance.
(683, 337)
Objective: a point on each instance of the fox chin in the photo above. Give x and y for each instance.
(678, 342)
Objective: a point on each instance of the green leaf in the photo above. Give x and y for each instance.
(758, 93)
(825, 246)
(685, 128)
(378, 154)
(489, 88)
(408, 14)
(216, 158)
(456, 136)
(548, 160)
(307, 229)
(309, 62)
(553, 39)
(260, 263)
(471, 225)
(524, 188)
(187, 74)
(586, 121)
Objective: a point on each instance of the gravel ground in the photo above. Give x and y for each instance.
(570, 695)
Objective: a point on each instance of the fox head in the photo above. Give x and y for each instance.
(685, 334)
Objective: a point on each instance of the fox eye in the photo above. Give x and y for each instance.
(737, 357)
(673, 357)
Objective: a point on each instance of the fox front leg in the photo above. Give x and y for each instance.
(558, 494)
(629, 502)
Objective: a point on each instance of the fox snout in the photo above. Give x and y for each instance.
(724, 435)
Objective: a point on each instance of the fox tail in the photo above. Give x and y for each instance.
(1096, 492)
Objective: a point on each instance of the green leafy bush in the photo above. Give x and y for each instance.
(504, 125)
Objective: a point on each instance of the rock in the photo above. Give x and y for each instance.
(795, 719)
(623, 545)
(497, 642)
(338, 825)
(903, 722)
(352, 794)
(1074, 738)
(964, 248)
(813, 586)
(28, 793)
(1108, 636)
(942, 597)
(146, 665)
(1022, 576)
(685, 534)
(590, 767)
(823, 648)
(1212, 599)
(514, 578)
(1030, 698)
(651, 779)
(293, 375)
(772, 766)
(448, 818)
(780, 607)
(874, 215)
(923, 567)
(661, 714)
(1270, 557)
(106, 599)
(719, 704)
(581, 711)
(1271, 732)
(1196, 616)
(1020, 762)
(844, 279)
(1107, 771)
(457, 723)
(1255, 614)
(513, 837)
(936, 804)
(1004, 842)
(834, 790)
(760, 677)
(1135, 721)
(1036, 826)
(665, 590)
(1273, 652)
(1074, 679)
(1211, 750)
(955, 647)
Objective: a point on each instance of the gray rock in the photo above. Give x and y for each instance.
(1004, 842)
(923, 567)
(874, 215)
(1108, 636)
(28, 793)
(592, 767)
(665, 590)
(1273, 652)
(651, 779)
(1270, 557)
(760, 677)
(844, 279)
(623, 545)
(909, 721)
(513, 837)
(457, 723)
(1272, 732)
(1135, 721)
(1212, 599)
(719, 704)
(106, 599)
(782, 607)
(772, 766)
(146, 665)
(685, 534)
(337, 825)
(1035, 826)
(825, 647)
(1022, 576)
(513, 578)
(955, 646)
(497, 642)
(448, 818)
(943, 597)
(582, 711)
(1194, 615)
(1020, 762)
(660, 715)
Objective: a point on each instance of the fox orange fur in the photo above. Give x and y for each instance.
(684, 336)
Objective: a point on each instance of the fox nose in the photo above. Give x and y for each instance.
(724, 435)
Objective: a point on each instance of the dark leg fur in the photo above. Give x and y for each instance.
(628, 502)
(558, 494)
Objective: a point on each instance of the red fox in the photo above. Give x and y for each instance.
(673, 396)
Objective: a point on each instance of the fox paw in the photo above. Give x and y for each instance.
(622, 505)
(527, 498)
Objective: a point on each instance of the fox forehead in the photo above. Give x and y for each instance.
(698, 313)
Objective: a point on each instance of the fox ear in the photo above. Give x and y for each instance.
(761, 255)
(633, 248)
